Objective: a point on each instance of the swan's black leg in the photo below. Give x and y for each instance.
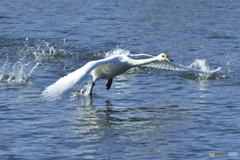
(93, 84)
(109, 83)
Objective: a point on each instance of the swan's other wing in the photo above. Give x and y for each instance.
(179, 67)
(66, 83)
(165, 65)
(139, 56)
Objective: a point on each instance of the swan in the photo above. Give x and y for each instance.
(110, 67)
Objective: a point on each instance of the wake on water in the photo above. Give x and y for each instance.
(19, 67)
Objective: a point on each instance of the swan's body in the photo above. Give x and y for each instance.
(109, 68)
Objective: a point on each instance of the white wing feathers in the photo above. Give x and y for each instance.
(139, 56)
(165, 65)
(65, 84)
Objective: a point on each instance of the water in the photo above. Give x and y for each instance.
(148, 113)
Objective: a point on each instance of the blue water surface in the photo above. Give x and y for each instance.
(148, 113)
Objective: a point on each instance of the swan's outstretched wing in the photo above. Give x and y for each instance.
(65, 84)
(170, 65)
(175, 66)
(165, 65)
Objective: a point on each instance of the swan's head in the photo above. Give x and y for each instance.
(163, 57)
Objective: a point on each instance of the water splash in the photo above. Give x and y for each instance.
(44, 51)
(85, 89)
(18, 66)
(17, 70)
(117, 51)
(201, 65)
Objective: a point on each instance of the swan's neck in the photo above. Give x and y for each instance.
(139, 62)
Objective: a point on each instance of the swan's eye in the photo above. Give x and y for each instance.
(163, 56)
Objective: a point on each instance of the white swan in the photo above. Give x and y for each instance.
(109, 68)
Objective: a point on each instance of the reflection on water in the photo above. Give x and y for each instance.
(79, 99)
(201, 85)
(107, 130)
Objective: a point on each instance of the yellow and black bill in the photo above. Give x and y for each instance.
(166, 58)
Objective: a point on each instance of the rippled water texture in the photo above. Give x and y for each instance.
(148, 113)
